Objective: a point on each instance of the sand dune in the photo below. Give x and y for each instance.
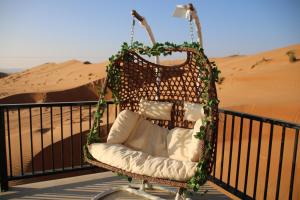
(44, 82)
(265, 83)
(86, 92)
(2, 74)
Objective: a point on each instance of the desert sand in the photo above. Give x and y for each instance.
(265, 84)
(50, 82)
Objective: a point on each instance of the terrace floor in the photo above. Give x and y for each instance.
(88, 186)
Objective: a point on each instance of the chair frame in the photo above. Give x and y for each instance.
(139, 78)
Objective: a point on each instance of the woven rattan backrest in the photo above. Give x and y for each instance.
(176, 84)
(139, 78)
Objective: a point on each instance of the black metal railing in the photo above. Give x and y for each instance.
(251, 153)
(45, 139)
(245, 145)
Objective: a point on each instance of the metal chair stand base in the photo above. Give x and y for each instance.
(139, 190)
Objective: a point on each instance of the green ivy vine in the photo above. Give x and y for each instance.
(114, 81)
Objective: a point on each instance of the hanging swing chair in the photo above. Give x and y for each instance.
(136, 82)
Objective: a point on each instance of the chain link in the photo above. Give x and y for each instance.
(191, 30)
(132, 31)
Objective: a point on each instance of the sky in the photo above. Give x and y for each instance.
(34, 32)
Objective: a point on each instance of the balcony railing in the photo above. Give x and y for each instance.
(256, 157)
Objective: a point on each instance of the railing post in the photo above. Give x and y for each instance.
(3, 161)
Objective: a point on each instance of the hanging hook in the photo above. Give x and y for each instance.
(137, 15)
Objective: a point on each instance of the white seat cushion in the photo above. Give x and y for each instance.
(138, 162)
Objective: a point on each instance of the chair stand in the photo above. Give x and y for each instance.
(139, 190)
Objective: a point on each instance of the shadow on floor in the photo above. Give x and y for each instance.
(88, 186)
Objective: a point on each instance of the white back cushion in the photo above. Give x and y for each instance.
(155, 109)
(148, 138)
(182, 144)
(193, 111)
(122, 127)
(178, 141)
(197, 145)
